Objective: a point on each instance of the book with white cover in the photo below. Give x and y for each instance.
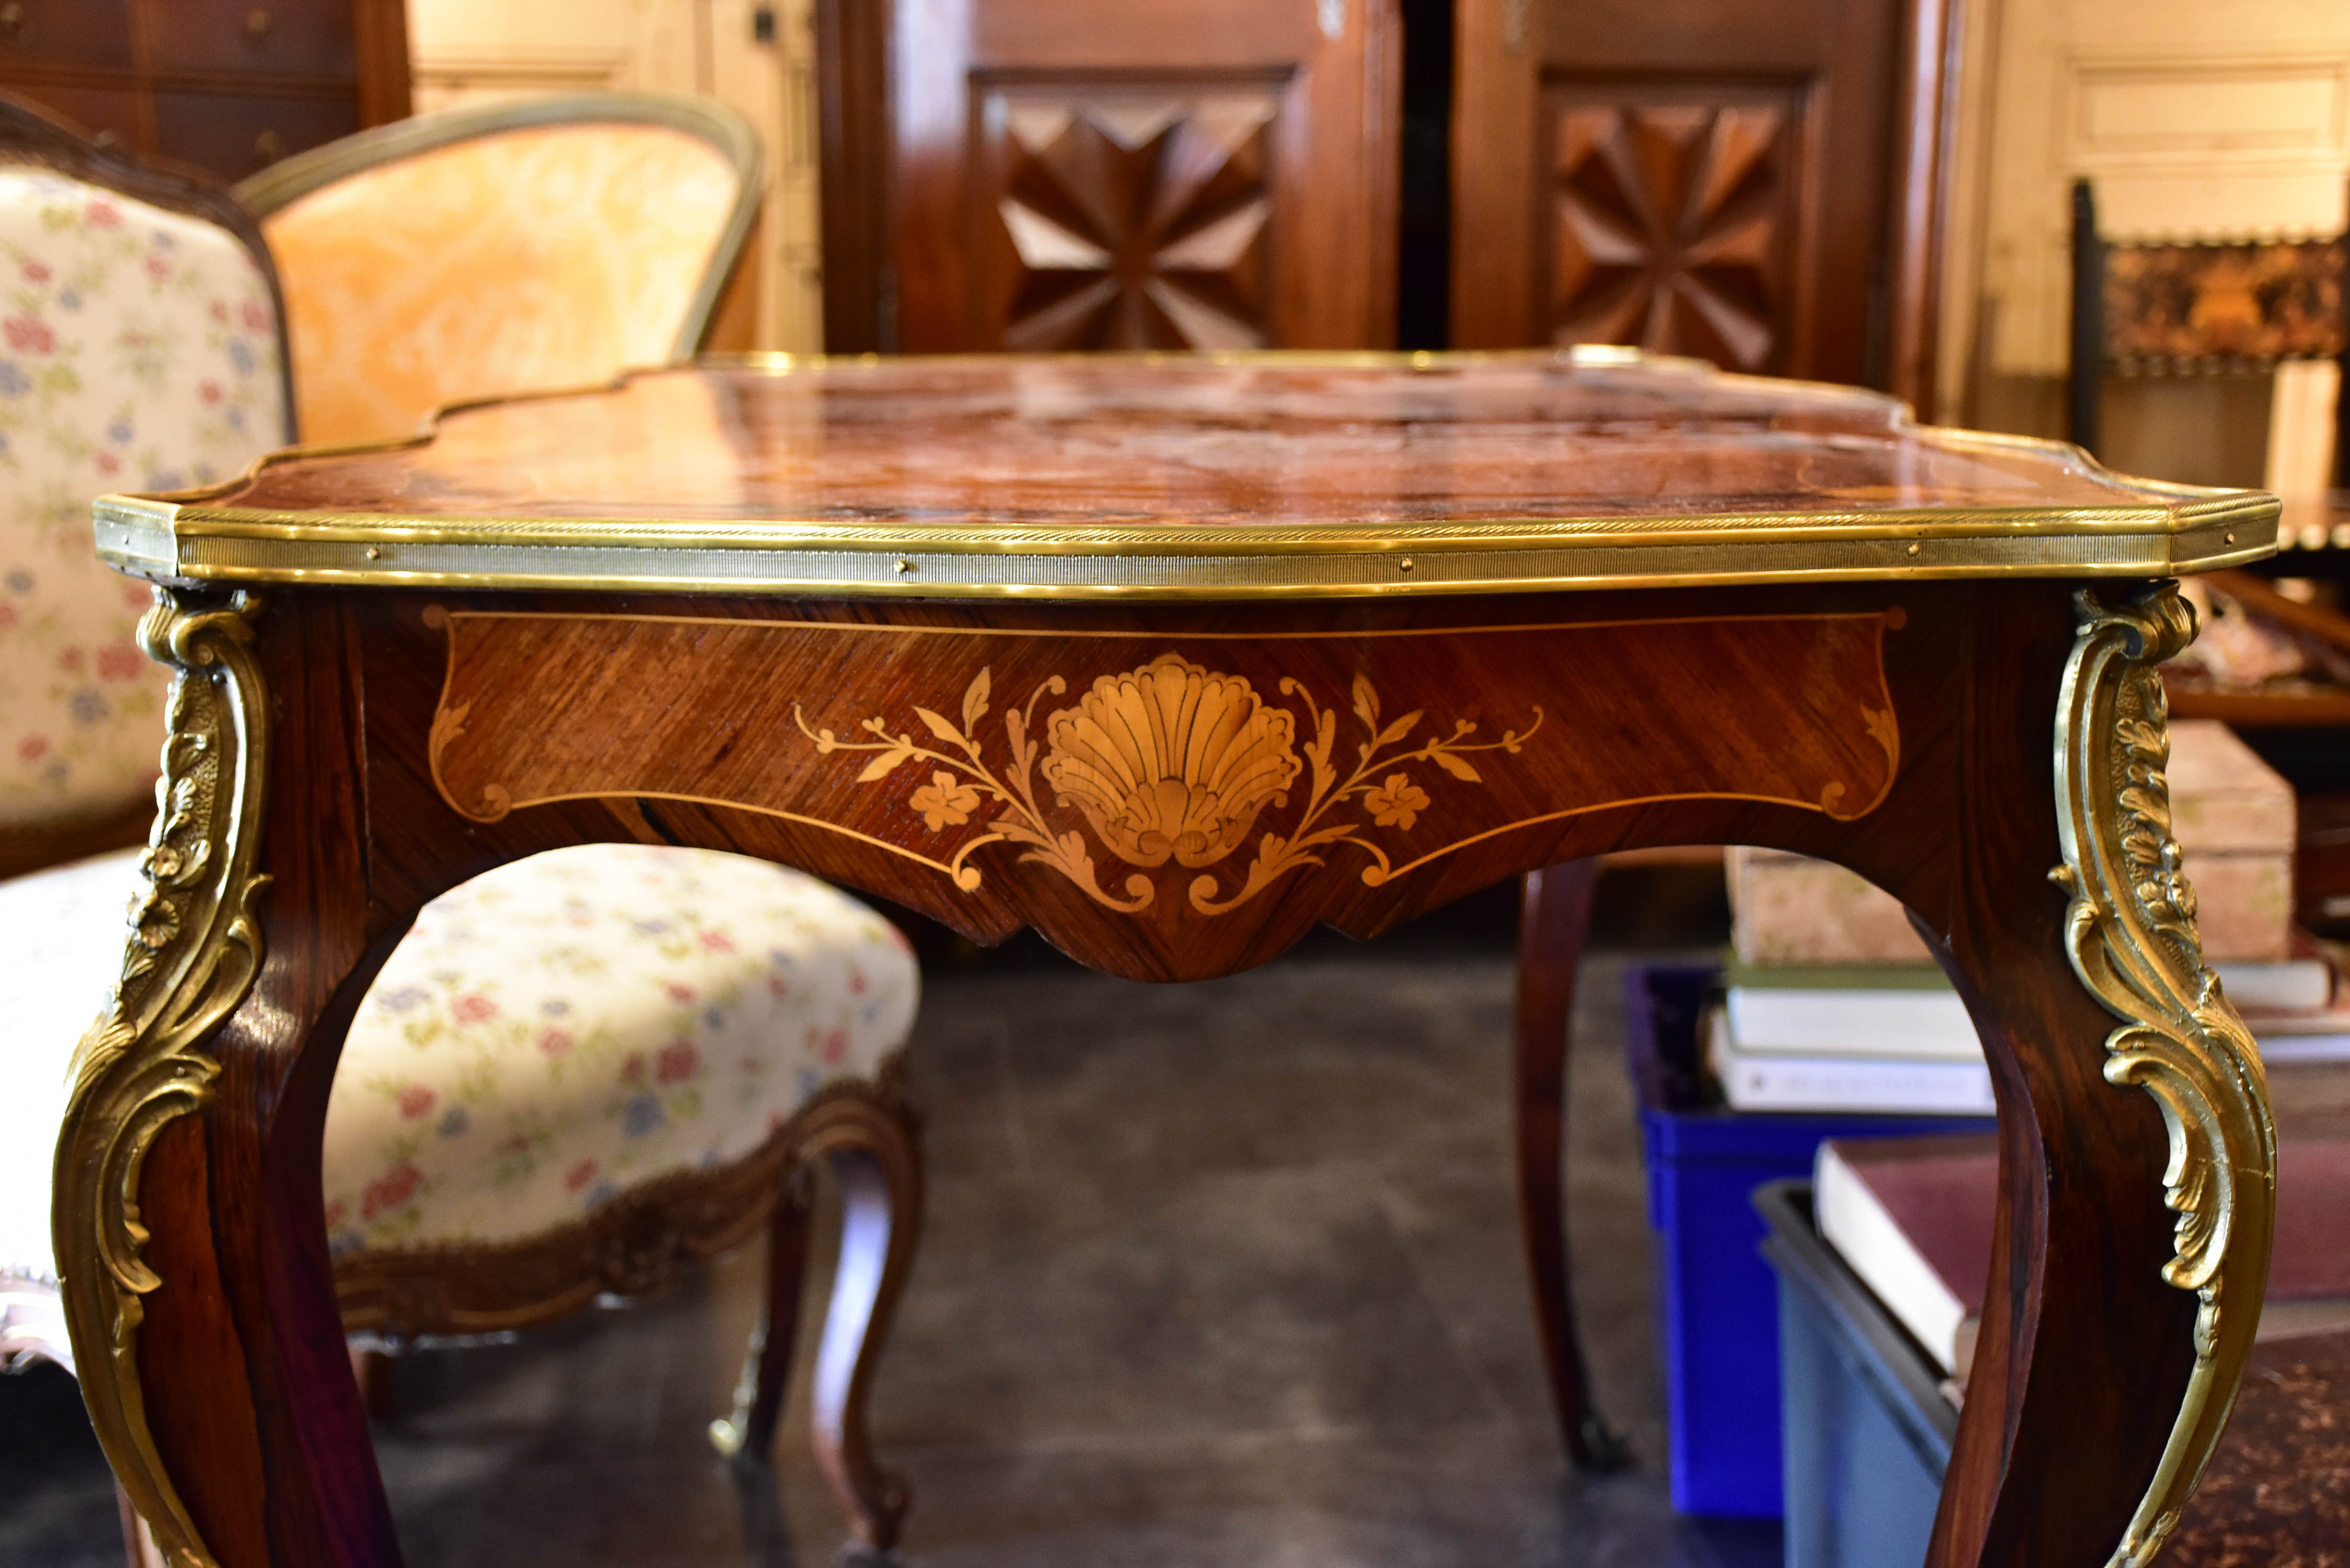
(1913, 1218)
(1890, 1085)
(1911, 1014)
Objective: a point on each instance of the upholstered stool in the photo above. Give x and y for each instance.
(564, 1035)
(576, 1072)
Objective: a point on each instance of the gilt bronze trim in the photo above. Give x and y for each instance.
(193, 953)
(2162, 528)
(187, 542)
(2130, 934)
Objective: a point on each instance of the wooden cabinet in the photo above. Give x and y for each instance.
(1756, 183)
(1045, 174)
(229, 85)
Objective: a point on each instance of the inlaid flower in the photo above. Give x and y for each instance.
(944, 802)
(1397, 802)
(1172, 761)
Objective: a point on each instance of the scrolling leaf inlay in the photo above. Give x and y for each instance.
(193, 951)
(2130, 933)
(1171, 760)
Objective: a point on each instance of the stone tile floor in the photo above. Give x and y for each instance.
(1212, 1274)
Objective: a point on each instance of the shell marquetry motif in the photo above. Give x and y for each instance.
(1170, 761)
(1181, 773)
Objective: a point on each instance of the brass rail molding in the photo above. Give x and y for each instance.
(2131, 937)
(193, 953)
(1223, 477)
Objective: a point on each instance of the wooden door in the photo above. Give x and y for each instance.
(1757, 182)
(1069, 175)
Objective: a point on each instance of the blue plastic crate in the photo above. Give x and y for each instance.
(1717, 1303)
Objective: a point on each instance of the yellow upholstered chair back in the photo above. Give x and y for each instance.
(140, 349)
(516, 247)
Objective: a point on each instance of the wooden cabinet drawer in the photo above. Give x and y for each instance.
(235, 135)
(274, 38)
(65, 32)
(94, 108)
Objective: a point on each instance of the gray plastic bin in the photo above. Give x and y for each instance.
(1866, 1432)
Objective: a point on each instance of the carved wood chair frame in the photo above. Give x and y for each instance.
(2297, 266)
(283, 184)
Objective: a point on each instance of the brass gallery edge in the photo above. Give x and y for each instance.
(193, 954)
(2177, 528)
(184, 541)
(2130, 934)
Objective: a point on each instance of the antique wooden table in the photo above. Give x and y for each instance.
(1171, 660)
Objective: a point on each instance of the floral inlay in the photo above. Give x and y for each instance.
(1170, 762)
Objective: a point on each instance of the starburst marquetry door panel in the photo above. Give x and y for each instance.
(1066, 174)
(1677, 222)
(1755, 182)
(1136, 220)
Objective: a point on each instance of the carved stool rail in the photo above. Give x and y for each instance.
(1171, 660)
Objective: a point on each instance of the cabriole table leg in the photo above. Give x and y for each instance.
(2113, 1334)
(189, 1234)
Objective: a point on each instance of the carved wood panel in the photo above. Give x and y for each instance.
(1675, 219)
(1133, 221)
(1066, 174)
(1762, 182)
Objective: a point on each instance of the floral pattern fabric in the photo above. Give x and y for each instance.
(568, 1026)
(548, 1035)
(138, 351)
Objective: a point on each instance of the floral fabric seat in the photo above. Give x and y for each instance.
(550, 1034)
(571, 1025)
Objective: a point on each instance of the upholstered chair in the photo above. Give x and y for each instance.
(577, 1071)
(516, 247)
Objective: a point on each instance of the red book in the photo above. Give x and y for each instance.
(1912, 1217)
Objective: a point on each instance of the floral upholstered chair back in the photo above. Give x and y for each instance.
(483, 252)
(140, 334)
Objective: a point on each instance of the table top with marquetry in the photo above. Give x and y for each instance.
(1232, 476)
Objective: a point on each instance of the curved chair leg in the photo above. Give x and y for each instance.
(870, 1149)
(749, 1433)
(1557, 913)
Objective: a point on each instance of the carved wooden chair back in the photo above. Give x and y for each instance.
(2168, 305)
(141, 348)
(507, 248)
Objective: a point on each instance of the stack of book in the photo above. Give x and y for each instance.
(1832, 1003)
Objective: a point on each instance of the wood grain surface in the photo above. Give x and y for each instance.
(1265, 444)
